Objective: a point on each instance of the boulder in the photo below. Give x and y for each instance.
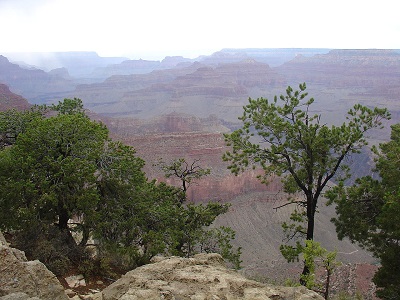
(199, 278)
(23, 279)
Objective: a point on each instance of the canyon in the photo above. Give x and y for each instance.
(180, 108)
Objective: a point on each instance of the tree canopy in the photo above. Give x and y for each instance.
(52, 169)
(368, 212)
(284, 138)
(14, 122)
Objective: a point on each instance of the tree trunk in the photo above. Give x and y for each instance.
(63, 218)
(328, 279)
(311, 207)
(85, 235)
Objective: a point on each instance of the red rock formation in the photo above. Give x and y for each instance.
(9, 100)
(208, 148)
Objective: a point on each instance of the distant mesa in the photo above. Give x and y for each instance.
(61, 72)
(354, 69)
(78, 63)
(130, 67)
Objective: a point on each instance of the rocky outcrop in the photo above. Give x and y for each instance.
(202, 277)
(22, 279)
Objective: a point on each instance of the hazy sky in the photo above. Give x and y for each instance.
(156, 28)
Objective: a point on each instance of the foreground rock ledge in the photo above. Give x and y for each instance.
(203, 277)
(22, 280)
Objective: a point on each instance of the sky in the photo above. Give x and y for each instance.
(153, 29)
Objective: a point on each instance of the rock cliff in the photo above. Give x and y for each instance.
(9, 100)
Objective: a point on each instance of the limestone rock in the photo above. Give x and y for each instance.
(202, 277)
(29, 277)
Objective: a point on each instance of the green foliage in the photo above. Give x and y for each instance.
(291, 283)
(369, 213)
(50, 246)
(98, 266)
(191, 232)
(291, 252)
(64, 167)
(346, 296)
(53, 169)
(218, 240)
(136, 226)
(190, 228)
(69, 107)
(13, 122)
(316, 256)
(284, 138)
(293, 231)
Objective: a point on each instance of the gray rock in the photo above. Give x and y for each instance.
(202, 277)
(29, 277)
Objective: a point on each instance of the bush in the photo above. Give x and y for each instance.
(50, 246)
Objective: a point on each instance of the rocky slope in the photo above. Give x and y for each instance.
(9, 100)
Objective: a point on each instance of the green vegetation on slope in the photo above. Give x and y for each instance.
(369, 213)
(64, 182)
